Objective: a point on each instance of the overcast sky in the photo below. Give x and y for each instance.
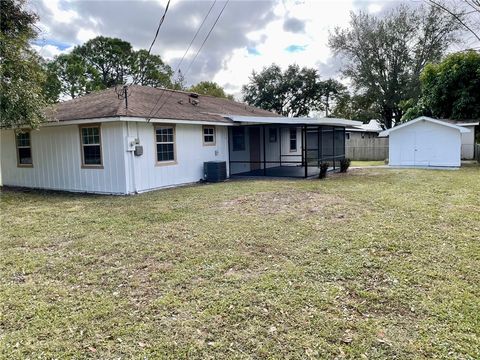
(248, 36)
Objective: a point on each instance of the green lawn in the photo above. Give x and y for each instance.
(374, 264)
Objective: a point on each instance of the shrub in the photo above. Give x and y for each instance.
(323, 171)
(344, 165)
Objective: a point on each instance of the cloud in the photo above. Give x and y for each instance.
(294, 25)
(296, 48)
(136, 21)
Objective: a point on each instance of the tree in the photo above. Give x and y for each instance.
(386, 55)
(150, 70)
(331, 92)
(210, 88)
(358, 107)
(52, 87)
(450, 89)
(75, 75)
(112, 58)
(22, 78)
(295, 92)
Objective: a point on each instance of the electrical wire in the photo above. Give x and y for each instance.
(185, 54)
(196, 55)
(162, 19)
(160, 23)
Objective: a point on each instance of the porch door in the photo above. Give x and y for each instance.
(254, 140)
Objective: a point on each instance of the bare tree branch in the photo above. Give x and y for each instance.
(458, 17)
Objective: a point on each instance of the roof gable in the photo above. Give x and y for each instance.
(423, 118)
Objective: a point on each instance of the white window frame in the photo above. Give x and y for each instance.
(213, 134)
(174, 142)
(291, 138)
(82, 146)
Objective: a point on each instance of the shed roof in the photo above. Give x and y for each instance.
(423, 118)
(167, 104)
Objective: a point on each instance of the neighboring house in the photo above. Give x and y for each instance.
(362, 142)
(468, 138)
(425, 142)
(154, 138)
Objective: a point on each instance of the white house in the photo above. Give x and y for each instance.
(468, 138)
(425, 142)
(152, 138)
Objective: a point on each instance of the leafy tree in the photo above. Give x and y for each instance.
(450, 89)
(75, 75)
(386, 55)
(355, 107)
(294, 92)
(112, 58)
(331, 92)
(150, 70)
(210, 88)
(22, 78)
(52, 87)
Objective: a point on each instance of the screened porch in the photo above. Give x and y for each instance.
(284, 150)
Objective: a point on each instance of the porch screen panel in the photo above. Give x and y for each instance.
(312, 146)
(339, 146)
(327, 144)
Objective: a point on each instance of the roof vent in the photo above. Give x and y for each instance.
(180, 102)
(193, 95)
(194, 102)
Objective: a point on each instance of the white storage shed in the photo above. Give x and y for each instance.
(425, 142)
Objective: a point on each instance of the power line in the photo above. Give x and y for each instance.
(185, 54)
(162, 19)
(135, 79)
(195, 57)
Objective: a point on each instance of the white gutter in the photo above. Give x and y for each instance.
(133, 119)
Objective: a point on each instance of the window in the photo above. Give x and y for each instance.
(272, 135)
(209, 135)
(165, 144)
(90, 140)
(347, 136)
(293, 139)
(238, 138)
(24, 149)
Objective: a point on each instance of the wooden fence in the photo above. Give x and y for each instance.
(367, 149)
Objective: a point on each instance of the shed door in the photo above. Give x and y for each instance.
(424, 149)
(407, 149)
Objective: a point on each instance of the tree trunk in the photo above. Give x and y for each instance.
(387, 117)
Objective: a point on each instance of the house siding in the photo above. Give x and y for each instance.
(145, 174)
(468, 143)
(57, 162)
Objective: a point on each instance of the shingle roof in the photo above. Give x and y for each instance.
(173, 104)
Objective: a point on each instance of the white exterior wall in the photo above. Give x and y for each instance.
(57, 162)
(146, 174)
(468, 143)
(425, 144)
